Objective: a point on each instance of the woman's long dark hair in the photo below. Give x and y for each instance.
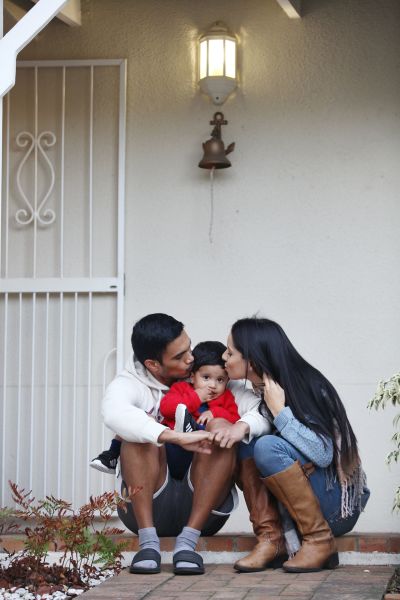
(311, 397)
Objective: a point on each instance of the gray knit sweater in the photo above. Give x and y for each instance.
(317, 450)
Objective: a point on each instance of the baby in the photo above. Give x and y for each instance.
(190, 406)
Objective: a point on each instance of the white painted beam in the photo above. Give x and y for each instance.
(71, 13)
(20, 35)
(22, 285)
(1, 134)
(291, 7)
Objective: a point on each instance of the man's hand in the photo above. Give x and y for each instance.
(227, 435)
(205, 417)
(196, 441)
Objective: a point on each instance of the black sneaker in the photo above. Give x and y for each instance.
(106, 462)
(184, 422)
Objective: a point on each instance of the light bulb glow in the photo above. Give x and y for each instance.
(215, 58)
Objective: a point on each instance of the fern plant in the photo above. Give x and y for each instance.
(388, 392)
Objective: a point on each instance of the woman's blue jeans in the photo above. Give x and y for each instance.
(273, 454)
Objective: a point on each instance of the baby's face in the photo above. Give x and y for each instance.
(213, 377)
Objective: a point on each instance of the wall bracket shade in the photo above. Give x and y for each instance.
(218, 62)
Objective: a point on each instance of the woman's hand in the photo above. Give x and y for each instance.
(274, 395)
(205, 417)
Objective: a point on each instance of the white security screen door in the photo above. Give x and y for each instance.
(62, 282)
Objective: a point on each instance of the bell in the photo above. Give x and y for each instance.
(214, 156)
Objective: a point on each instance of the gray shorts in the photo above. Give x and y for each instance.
(172, 504)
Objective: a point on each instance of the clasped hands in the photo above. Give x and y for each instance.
(202, 441)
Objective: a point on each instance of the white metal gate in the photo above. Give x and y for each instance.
(62, 280)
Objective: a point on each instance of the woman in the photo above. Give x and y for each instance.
(309, 464)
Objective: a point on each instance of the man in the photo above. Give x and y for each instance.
(170, 502)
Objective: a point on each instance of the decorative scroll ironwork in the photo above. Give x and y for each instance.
(25, 216)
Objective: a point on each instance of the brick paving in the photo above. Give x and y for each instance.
(220, 582)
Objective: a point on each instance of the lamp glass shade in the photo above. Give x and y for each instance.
(203, 59)
(230, 59)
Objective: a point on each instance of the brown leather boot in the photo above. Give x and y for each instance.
(270, 548)
(318, 549)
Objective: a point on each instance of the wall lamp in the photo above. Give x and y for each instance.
(218, 62)
(217, 78)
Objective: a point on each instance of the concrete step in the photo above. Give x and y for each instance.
(386, 543)
(352, 542)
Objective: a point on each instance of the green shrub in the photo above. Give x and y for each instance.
(388, 392)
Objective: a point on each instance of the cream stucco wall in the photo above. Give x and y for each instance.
(306, 222)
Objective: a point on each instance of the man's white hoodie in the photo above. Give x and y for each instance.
(131, 405)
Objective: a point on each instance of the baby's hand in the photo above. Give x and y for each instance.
(205, 417)
(203, 394)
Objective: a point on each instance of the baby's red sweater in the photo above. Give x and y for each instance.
(183, 393)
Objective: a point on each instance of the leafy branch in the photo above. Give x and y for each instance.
(388, 392)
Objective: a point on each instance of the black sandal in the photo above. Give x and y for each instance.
(146, 554)
(191, 557)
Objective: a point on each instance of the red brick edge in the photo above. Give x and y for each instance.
(352, 542)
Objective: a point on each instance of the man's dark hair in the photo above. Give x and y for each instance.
(152, 334)
(208, 353)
